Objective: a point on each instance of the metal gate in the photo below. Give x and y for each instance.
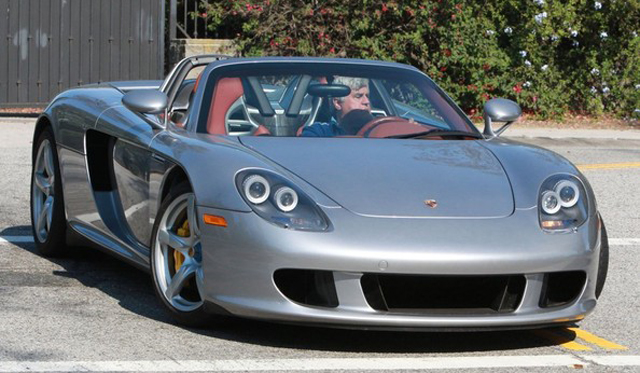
(47, 46)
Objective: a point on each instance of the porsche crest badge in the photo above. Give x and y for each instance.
(431, 203)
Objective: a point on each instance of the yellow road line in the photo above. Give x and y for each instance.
(609, 166)
(585, 335)
(561, 340)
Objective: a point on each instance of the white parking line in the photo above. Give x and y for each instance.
(359, 364)
(15, 239)
(624, 241)
(615, 360)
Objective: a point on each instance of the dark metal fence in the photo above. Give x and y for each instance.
(187, 20)
(47, 46)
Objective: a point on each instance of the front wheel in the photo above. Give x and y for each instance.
(48, 220)
(176, 258)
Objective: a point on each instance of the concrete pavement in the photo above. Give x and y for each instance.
(94, 313)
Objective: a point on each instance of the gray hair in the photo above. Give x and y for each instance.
(353, 83)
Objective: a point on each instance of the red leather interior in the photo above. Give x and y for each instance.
(195, 86)
(262, 131)
(367, 128)
(226, 92)
(397, 128)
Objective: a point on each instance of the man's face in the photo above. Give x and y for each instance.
(357, 99)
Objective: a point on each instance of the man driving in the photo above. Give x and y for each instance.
(351, 112)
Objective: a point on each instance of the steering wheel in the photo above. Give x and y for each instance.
(367, 128)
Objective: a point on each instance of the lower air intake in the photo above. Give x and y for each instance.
(561, 288)
(306, 286)
(417, 294)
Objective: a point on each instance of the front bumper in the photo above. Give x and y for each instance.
(240, 260)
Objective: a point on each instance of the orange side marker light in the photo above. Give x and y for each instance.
(215, 220)
(552, 224)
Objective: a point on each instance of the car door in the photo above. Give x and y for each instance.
(120, 164)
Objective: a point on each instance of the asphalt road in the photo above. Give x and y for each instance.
(94, 313)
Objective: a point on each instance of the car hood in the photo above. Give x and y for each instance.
(396, 178)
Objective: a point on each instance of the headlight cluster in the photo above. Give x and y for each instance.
(563, 203)
(279, 201)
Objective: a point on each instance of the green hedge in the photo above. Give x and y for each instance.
(552, 57)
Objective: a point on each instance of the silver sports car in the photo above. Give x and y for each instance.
(337, 192)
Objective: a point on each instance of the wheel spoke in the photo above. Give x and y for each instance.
(193, 218)
(42, 183)
(48, 160)
(179, 279)
(182, 244)
(200, 282)
(43, 217)
(52, 180)
(49, 203)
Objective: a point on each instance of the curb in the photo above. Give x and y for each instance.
(511, 133)
(19, 115)
(591, 134)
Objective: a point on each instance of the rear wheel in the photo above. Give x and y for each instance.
(176, 258)
(48, 220)
(603, 262)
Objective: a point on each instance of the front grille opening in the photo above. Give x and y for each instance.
(561, 288)
(309, 287)
(443, 294)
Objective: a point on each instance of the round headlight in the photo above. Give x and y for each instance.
(550, 202)
(286, 199)
(256, 188)
(568, 192)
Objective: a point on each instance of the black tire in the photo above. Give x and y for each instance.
(53, 244)
(603, 262)
(192, 318)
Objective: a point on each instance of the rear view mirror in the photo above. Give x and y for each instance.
(146, 101)
(324, 90)
(499, 110)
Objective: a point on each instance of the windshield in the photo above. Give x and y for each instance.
(321, 100)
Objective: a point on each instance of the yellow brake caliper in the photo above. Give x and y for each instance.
(178, 258)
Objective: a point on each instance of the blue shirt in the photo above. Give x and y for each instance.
(318, 129)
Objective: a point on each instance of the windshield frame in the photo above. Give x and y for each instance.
(271, 66)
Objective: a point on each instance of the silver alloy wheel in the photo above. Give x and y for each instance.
(43, 190)
(170, 281)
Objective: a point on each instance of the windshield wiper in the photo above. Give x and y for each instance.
(437, 132)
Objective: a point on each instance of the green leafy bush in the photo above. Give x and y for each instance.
(552, 57)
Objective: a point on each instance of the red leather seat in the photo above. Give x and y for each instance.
(226, 92)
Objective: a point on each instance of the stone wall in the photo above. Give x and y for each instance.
(181, 48)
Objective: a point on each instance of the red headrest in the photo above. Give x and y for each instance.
(226, 92)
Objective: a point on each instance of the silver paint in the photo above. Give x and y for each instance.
(131, 166)
(145, 101)
(239, 260)
(499, 110)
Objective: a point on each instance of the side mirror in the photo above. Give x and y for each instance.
(499, 110)
(146, 101)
